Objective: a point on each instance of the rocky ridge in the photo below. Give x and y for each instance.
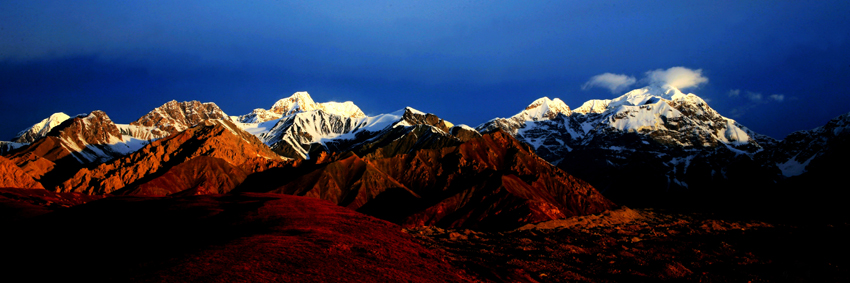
(173, 117)
(218, 139)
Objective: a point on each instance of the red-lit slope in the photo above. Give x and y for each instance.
(15, 177)
(201, 175)
(349, 181)
(491, 182)
(215, 138)
(233, 238)
(85, 139)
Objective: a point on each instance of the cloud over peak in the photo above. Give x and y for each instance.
(678, 77)
(613, 82)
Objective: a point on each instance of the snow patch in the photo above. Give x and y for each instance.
(792, 167)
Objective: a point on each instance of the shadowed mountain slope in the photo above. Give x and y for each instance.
(489, 182)
(233, 238)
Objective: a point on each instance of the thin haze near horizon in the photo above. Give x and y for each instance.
(774, 66)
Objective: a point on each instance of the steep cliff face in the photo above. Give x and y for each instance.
(214, 138)
(15, 177)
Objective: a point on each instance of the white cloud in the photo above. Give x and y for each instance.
(734, 93)
(613, 82)
(678, 77)
(754, 96)
(777, 97)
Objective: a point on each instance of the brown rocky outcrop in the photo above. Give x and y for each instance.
(415, 117)
(173, 116)
(95, 128)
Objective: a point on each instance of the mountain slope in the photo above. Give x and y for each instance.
(15, 177)
(817, 148)
(85, 139)
(305, 134)
(77, 142)
(348, 181)
(214, 138)
(489, 182)
(229, 238)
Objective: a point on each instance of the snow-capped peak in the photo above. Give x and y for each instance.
(413, 111)
(40, 129)
(544, 109)
(347, 109)
(297, 102)
(642, 96)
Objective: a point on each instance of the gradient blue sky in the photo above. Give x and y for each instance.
(466, 61)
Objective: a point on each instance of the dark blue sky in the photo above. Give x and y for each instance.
(774, 66)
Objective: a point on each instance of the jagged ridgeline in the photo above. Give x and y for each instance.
(548, 161)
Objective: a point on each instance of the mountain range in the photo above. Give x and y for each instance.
(413, 168)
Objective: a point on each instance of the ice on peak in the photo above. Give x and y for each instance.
(414, 111)
(593, 106)
(544, 109)
(347, 109)
(466, 127)
(302, 102)
(56, 117)
(297, 102)
(647, 95)
(40, 129)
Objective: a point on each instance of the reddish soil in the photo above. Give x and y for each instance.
(252, 237)
(21, 204)
(232, 238)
